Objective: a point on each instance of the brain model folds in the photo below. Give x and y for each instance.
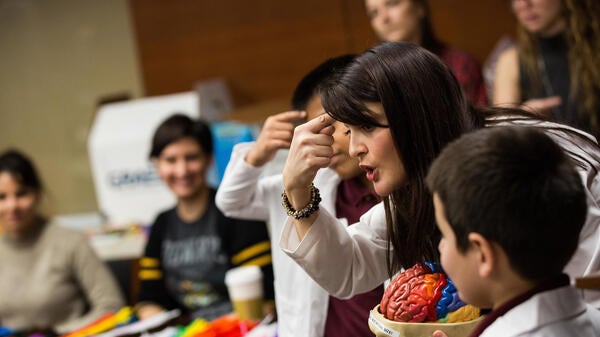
(423, 293)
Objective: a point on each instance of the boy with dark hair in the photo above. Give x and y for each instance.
(308, 88)
(303, 307)
(510, 206)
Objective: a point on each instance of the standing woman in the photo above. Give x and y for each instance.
(193, 244)
(410, 21)
(555, 69)
(51, 277)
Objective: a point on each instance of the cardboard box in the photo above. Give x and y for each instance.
(128, 188)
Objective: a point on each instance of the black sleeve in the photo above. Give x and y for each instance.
(247, 243)
(150, 274)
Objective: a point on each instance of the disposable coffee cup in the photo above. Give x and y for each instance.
(244, 285)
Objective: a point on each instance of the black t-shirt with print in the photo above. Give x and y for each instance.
(185, 262)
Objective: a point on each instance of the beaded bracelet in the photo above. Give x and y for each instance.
(308, 210)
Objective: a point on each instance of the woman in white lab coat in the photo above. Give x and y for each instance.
(401, 106)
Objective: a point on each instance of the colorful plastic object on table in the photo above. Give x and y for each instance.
(225, 326)
(105, 323)
(196, 327)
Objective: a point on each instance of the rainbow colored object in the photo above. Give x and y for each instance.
(105, 323)
(225, 326)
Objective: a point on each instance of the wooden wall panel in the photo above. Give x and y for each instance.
(474, 25)
(263, 47)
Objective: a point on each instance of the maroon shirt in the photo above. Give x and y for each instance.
(467, 72)
(350, 317)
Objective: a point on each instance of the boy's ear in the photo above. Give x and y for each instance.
(484, 254)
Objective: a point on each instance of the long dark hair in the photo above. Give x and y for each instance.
(425, 109)
(429, 40)
(21, 168)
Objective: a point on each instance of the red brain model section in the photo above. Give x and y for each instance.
(413, 295)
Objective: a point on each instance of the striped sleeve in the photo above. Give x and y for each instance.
(258, 254)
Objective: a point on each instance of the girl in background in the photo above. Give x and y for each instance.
(555, 69)
(51, 277)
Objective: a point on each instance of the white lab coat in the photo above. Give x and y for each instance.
(555, 313)
(347, 261)
(301, 303)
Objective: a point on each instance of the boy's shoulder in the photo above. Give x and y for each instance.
(556, 312)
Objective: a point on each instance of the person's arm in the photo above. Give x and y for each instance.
(241, 193)
(97, 284)
(247, 244)
(153, 297)
(344, 261)
(310, 151)
(507, 90)
(506, 80)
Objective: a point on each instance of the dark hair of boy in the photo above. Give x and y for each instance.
(516, 187)
(310, 84)
(180, 126)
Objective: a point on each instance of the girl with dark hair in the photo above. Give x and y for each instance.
(410, 21)
(401, 106)
(193, 244)
(555, 68)
(51, 278)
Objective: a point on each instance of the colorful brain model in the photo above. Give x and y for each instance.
(423, 293)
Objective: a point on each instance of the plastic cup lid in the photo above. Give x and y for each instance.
(242, 275)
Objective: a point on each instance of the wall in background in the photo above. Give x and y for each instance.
(58, 58)
(475, 26)
(263, 47)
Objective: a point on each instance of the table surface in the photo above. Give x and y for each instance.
(118, 247)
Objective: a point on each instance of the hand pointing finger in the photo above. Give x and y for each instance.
(319, 123)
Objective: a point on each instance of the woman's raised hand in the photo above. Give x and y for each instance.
(310, 150)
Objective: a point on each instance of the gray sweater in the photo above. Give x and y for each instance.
(47, 279)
